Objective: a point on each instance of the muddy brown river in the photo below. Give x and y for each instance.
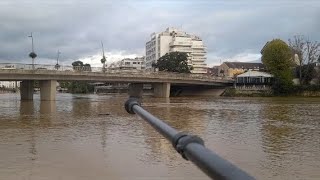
(81, 137)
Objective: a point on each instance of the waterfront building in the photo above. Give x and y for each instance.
(231, 69)
(173, 40)
(254, 80)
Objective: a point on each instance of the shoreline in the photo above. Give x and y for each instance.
(232, 92)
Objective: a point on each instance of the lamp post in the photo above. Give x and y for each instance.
(103, 60)
(57, 66)
(33, 55)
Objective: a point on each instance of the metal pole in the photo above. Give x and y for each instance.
(58, 57)
(32, 51)
(191, 147)
(32, 48)
(32, 42)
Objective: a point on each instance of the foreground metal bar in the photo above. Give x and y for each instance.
(190, 147)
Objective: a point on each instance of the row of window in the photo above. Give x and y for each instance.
(150, 51)
(153, 56)
(128, 63)
(150, 44)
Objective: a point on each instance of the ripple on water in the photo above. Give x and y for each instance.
(92, 136)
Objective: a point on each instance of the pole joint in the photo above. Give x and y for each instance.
(182, 139)
(130, 103)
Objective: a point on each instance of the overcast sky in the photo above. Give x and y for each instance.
(233, 30)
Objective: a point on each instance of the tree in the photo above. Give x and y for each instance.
(174, 62)
(77, 86)
(306, 73)
(79, 66)
(277, 58)
(307, 52)
(297, 45)
(86, 67)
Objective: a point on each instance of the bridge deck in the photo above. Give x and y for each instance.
(112, 76)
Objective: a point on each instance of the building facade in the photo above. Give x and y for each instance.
(9, 84)
(137, 63)
(173, 40)
(231, 69)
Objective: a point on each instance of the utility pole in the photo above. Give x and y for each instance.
(33, 55)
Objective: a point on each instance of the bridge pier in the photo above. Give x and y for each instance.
(26, 90)
(161, 90)
(48, 90)
(135, 90)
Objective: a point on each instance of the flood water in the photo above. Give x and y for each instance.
(80, 137)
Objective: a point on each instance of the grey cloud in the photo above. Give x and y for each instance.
(77, 27)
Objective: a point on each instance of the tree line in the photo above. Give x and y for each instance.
(285, 61)
(78, 86)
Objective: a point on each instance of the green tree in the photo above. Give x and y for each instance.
(306, 73)
(77, 63)
(174, 62)
(86, 67)
(277, 57)
(79, 66)
(77, 86)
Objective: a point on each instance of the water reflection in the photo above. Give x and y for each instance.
(26, 108)
(93, 136)
(27, 118)
(81, 106)
(286, 138)
(276, 132)
(48, 107)
(177, 115)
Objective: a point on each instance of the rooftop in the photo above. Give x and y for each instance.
(245, 65)
(255, 74)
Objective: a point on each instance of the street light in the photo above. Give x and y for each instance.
(33, 55)
(57, 66)
(103, 60)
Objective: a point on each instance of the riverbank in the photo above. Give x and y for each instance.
(233, 92)
(297, 91)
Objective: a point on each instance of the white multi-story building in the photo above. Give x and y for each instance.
(9, 84)
(176, 40)
(129, 63)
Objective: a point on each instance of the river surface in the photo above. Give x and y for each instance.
(80, 137)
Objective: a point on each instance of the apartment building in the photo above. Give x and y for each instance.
(173, 40)
(129, 63)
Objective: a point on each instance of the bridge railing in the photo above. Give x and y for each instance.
(98, 71)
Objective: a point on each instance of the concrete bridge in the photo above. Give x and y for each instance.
(48, 77)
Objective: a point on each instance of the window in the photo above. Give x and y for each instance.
(134, 62)
(127, 63)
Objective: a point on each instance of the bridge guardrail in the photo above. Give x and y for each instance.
(97, 71)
